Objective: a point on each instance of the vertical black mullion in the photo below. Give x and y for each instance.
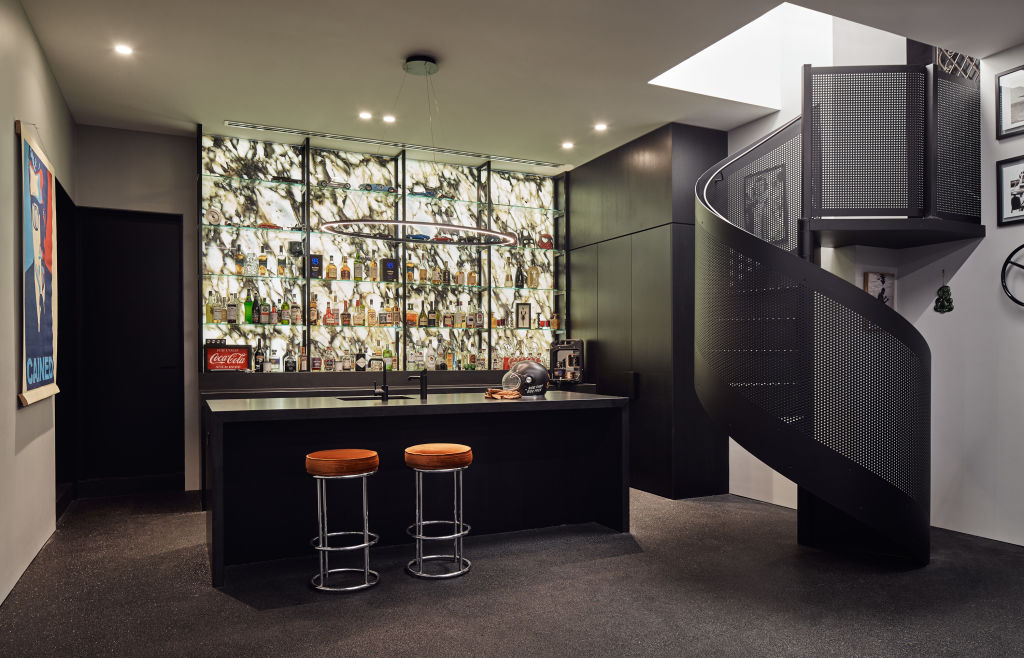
(807, 209)
(199, 245)
(307, 240)
(490, 266)
(931, 120)
(564, 246)
(403, 339)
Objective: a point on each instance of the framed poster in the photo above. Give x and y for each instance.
(881, 286)
(523, 315)
(1010, 191)
(764, 205)
(1010, 103)
(38, 272)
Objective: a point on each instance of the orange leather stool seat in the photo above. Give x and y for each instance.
(344, 461)
(438, 456)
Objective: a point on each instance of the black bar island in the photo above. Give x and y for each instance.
(538, 462)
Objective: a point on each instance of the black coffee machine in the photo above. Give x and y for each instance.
(566, 369)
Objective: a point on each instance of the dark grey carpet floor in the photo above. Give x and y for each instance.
(717, 576)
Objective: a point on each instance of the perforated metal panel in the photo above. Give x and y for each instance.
(867, 124)
(958, 148)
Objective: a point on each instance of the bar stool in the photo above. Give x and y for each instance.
(451, 458)
(344, 464)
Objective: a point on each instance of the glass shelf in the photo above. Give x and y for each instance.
(330, 234)
(356, 190)
(253, 181)
(254, 228)
(256, 276)
(450, 328)
(554, 290)
(557, 252)
(445, 285)
(512, 205)
(340, 327)
(387, 284)
(248, 325)
(557, 331)
(412, 196)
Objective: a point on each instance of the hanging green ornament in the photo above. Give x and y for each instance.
(944, 300)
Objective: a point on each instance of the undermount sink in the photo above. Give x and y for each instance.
(364, 398)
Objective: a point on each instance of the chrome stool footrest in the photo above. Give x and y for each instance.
(415, 566)
(370, 578)
(465, 527)
(315, 541)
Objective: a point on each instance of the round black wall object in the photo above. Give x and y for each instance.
(420, 65)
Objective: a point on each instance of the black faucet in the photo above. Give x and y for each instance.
(422, 377)
(383, 390)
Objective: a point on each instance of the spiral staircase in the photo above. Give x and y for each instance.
(816, 378)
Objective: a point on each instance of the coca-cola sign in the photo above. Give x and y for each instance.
(227, 357)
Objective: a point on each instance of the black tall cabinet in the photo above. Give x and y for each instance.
(632, 278)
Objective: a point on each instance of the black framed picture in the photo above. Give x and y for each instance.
(1010, 191)
(523, 313)
(1010, 103)
(764, 204)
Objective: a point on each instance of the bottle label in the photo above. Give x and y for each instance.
(296, 316)
(388, 362)
(316, 363)
(273, 317)
(361, 362)
(232, 313)
(329, 364)
(357, 271)
(289, 365)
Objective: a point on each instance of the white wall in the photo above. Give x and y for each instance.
(27, 488)
(130, 170)
(844, 44)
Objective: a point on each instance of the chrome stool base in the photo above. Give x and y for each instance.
(459, 529)
(322, 542)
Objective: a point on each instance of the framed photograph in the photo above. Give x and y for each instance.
(523, 313)
(1010, 191)
(764, 204)
(881, 286)
(1010, 103)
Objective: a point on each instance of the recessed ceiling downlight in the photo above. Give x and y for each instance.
(600, 127)
(567, 145)
(365, 115)
(388, 118)
(123, 49)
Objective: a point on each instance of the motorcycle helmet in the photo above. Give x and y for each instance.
(527, 377)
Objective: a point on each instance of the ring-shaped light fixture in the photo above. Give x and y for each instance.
(497, 237)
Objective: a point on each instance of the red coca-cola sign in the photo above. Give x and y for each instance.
(227, 357)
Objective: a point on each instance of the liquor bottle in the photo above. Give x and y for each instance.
(332, 269)
(285, 312)
(316, 362)
(232, 310)
(396, 314)
(263, 261)
(275, 312)
(471, 360)
(252, 307)
(373, 270)
(471, 278)
(446, 276)
(211, 302)
(432, 317)
(509, 283)
(423, 272)
(346, 273)
(359, 315)
(357, 268)
(328, 315)
(383, 315)
(329, 359)
(449, 357)
(470, 316)
(350, 362)
(410, 272)
(533, 277)
(435, 275)
(371, 314)
(258, 357)
(303, 360)
(460, 277)
(346, 317)
(431, 358)
(239, 260)
(448, 318)
(314, 311)
(460, 317)
(289, 361)
(479, 318)
(275, 361)
(265, 311)
(520, 276)
(422, 320)
(252, 267)
(389, 358)
(411, 317)
(281, 261)
(296, 313)
(376, 360)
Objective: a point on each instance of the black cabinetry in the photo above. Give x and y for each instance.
(632, 301)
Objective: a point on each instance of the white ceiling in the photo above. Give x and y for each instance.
(516, 79)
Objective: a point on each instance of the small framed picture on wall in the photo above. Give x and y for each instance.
(881, 286)
(523, 315)
(1010, 103)
(1010, 191)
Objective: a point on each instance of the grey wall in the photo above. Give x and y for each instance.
(30, 94)
(130, 170)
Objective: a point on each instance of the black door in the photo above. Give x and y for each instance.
(130, 368)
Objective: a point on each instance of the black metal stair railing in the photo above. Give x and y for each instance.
(813, 376)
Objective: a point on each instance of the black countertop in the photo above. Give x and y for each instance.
(286, 408)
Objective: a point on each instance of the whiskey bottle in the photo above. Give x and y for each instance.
(263, 261)
(460, 317)
(239, 260)
(509, 282)
(460, 277)
(373, 270)
(289, 361)
(296, 313)
(274, 312)
(328, 315)
(359, 315)
(448, 318)
(346, 273)
(423, 272)
(383, 317)
(479, 318)
(285, 313)
(357, 268)
(332, 269)
(435, 276)
(351, 362)
(376, 361)
(316, 362)
(446, 276)
(449, 357)
(371, 314)
(471, 278)
(411, 318)
(314, 312)
(303, 360)
(346, 317)
(258, 357)
(410, 272)
(470, 317)
(329, 359)
(281, 261)
(265, 311)
(422, 319)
